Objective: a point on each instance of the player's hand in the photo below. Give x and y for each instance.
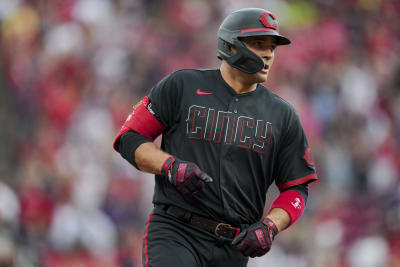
(256, 240)
(185, 176)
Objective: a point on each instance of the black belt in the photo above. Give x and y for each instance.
(219, 229)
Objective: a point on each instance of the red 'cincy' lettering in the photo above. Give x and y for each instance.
(196, 115)
(263, 136)
(225, 121)
(242, 131)
(244, 128)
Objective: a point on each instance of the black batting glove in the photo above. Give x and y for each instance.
(185, 176)
(256, 240)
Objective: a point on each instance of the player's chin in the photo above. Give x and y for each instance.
(261, 77)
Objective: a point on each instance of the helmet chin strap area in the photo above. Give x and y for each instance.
(244, 59)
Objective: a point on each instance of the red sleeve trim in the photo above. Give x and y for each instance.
(303, 180)
(142, 121)
(123, 130)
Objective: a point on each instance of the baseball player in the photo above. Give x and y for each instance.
(226, 139)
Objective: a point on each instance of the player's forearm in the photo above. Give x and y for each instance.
(141, 152)
(288, 206)
(280, 217)
(150, 158)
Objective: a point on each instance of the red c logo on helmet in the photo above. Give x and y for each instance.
(264, 20)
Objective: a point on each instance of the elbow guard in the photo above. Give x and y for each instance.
(142, 121)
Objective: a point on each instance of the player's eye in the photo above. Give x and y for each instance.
(258, 44)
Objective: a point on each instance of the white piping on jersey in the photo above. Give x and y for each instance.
(187, 119)
(227, 124)
(237, 127)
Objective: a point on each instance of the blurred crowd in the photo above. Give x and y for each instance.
(70, 71)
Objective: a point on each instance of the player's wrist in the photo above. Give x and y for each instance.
(167, 166)
(267, 222)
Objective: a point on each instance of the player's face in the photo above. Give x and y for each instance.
(263, 46)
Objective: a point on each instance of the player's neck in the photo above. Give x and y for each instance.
(239, 81)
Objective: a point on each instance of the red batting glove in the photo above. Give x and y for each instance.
(256, 240)
(185, 176)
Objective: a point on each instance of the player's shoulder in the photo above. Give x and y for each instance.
(178, 80)
(276, 100)
(184, 74)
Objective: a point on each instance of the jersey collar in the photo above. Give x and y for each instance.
(231, 91)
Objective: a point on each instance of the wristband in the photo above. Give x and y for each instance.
(292, 202)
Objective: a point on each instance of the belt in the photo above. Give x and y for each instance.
(219, 229)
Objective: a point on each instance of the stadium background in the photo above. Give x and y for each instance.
(70, 71)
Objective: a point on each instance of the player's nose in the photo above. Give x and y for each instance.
(267, 58)
(268, 54)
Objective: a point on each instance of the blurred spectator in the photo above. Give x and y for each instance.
(9, 206)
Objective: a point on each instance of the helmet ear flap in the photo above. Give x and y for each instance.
(244, 59)
(228, 46)
(224, 49)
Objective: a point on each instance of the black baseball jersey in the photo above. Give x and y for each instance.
(245, 142)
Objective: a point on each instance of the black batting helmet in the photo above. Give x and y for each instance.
(243, 23)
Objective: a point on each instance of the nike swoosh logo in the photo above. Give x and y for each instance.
(199, 92)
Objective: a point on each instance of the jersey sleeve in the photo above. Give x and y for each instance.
(165, 99)
(294, 164)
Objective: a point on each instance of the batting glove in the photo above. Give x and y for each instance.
(256, 240)
(185, 176)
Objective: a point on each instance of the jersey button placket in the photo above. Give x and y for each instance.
(226, 153)
(234, 104)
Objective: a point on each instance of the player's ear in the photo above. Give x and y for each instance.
(231, 48)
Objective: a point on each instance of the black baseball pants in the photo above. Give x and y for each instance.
(169, 242)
